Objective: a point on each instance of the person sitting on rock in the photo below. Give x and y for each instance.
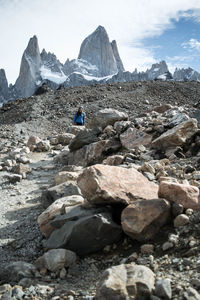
(79, 118)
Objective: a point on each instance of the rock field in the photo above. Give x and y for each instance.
(110, 211)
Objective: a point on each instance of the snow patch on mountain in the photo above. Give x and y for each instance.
(89, 78)
(56, 77)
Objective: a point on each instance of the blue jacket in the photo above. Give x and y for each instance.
(79, 119)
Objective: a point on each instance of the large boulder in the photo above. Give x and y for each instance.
(103, 184)
(108, 116)
(56, 259)
(91, 154)
(86, 234)
(55, 209)
(84, 137)
(59, 191)
(126, 282)
(186, 195)
(176, 136)
(133, 138)
(143, 219)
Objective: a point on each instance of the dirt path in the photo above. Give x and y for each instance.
(20, 238)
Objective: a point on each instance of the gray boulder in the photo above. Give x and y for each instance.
(83, 138)
(91, 154)
(59, 191)
(108, 116)
(163, 288)
(75, 213)
(56, 259)
(86, 235)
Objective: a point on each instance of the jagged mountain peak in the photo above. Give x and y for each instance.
(2, 73)
(50, 63)
(120, 65)
(29, 75)
(97, 50)
(157, 70)
(33, 46)
(100, 29)
(186, 74)
(4, 92)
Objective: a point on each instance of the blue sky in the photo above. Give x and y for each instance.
(146, 31)
(179, 45)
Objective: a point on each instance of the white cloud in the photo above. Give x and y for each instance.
(61, 25)
(193, 44)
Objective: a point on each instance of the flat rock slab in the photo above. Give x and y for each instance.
(103, 184)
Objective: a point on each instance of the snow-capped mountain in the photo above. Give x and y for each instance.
(97, 50)
(50, 61)
(98, 62)
(157, 70)
(81, 66)
(186, 74)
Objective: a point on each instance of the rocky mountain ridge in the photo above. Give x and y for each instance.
(98, 62)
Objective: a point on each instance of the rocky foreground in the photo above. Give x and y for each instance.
(110, 211)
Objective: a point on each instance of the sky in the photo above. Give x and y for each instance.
(146, 31)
